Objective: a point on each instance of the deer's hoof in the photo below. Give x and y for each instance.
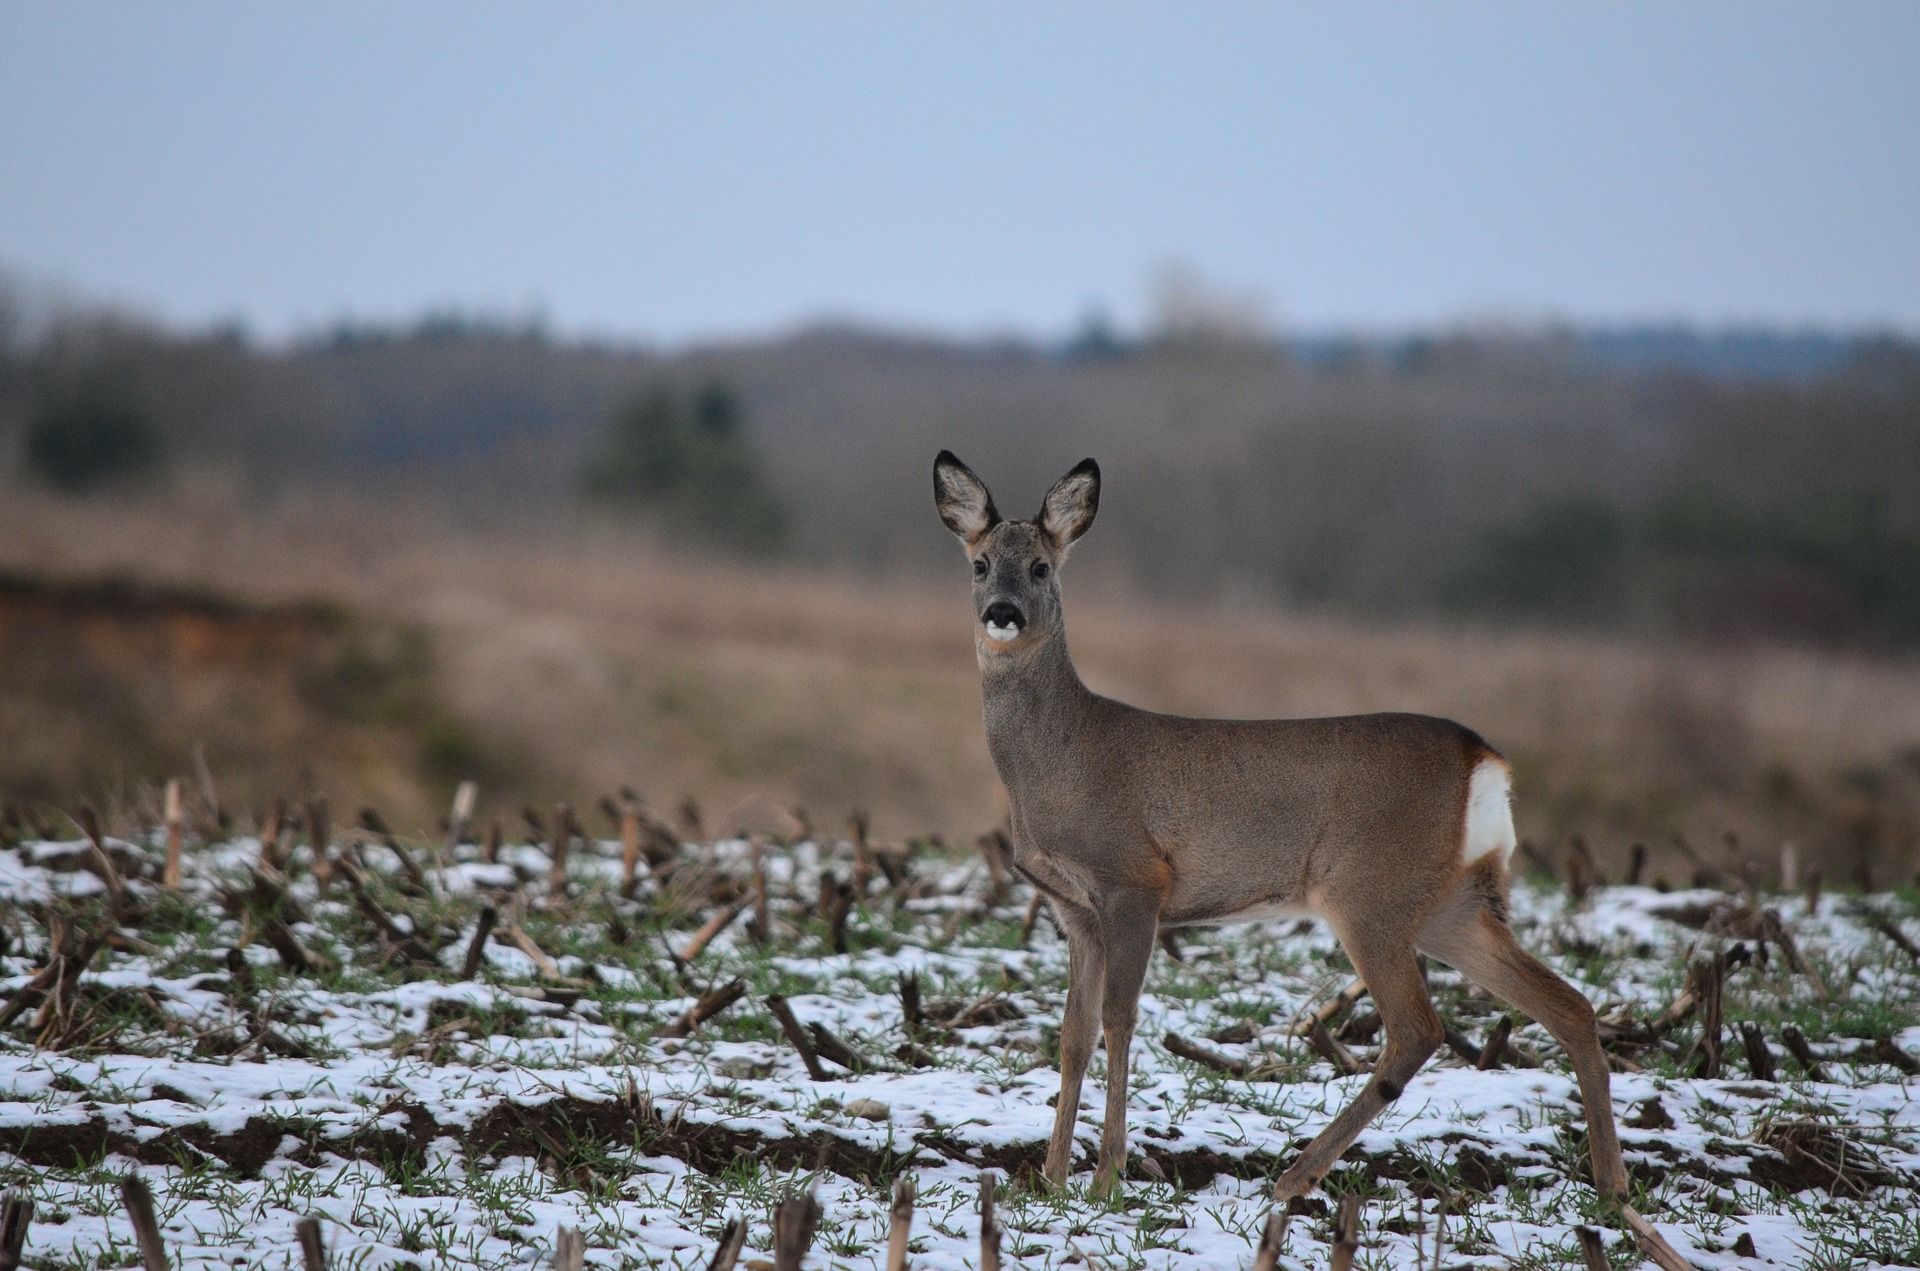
(1292, 1186)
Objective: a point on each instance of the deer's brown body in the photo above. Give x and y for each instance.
(1392, 828)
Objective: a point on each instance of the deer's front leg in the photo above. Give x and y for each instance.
(1128, 924)
(1079, 1026)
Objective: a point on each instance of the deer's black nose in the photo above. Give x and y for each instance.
(1004, 613)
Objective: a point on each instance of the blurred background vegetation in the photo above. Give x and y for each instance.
(1731, 516)
(1739, 485)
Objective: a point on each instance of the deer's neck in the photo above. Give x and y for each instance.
(1036, 711)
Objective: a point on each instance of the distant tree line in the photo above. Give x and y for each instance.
(1495, 476)
(1832, 568)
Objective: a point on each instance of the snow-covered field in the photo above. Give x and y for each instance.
(432, 1120)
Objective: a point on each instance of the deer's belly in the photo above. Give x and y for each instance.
(1260, 911)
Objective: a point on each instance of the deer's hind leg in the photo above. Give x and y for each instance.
(1469, 932)
(1383, 955)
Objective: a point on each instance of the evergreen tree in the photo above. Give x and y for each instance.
(687, 463)
(91, 433)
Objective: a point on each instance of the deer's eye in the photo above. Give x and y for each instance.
(1040, 571)
(979, 567)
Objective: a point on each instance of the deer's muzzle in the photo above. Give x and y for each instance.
(1004, 620)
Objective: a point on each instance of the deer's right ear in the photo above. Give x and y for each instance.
(962, 498)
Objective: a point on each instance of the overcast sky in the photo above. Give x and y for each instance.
(687, 171)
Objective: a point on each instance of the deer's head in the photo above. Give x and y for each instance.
(1016, 564)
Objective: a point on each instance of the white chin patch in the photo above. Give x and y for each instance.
(1003, 634)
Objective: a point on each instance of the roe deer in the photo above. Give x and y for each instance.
(1395, 829)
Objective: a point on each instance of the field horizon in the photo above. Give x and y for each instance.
(570, 658)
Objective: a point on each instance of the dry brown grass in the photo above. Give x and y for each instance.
(607, 660)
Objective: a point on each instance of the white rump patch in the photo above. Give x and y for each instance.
(1489, 812)
(1003, 634)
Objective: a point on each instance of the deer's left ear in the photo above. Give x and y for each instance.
(1068, 510)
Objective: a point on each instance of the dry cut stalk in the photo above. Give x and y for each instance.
(146, 1228)
(829, 1047)
(460, 818)
(1496, 1046)
(1331, 1009)
(794, 1219)
(1759, 1057)
(1592, 1252)
(710, 1003)
(176, 831)
(616, 930)
(548, 967)
(839, 904)
(797, 1036)
(1652, 1243)
(363, 899)
(1204, 1056)
(270, 831)
(319, 837)
(900, 1227)
(16, 1215)
(210, 796)
(997, 851)
(1710, 977)
(1886, 927)
(910, 1012)
(857, 825)
(268, 905)
(1774, 928)
(477, 947)
(1330, 1050)
(69, 955)
(629, 847)
(1579, 873)
(760, 926)
(374, 823)
(1887, 1053)
(313, 1252)
(713, 927)
(569, 1250)
(1170, 945)
(1803, 1054)
(563, 831)
(55, 1021)
(1033, 916)
(989, 1227)
(1273, 1237)
(296, 956)
(102, 862)
(658, 842)
(1346, 1233)
(731, 1240)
